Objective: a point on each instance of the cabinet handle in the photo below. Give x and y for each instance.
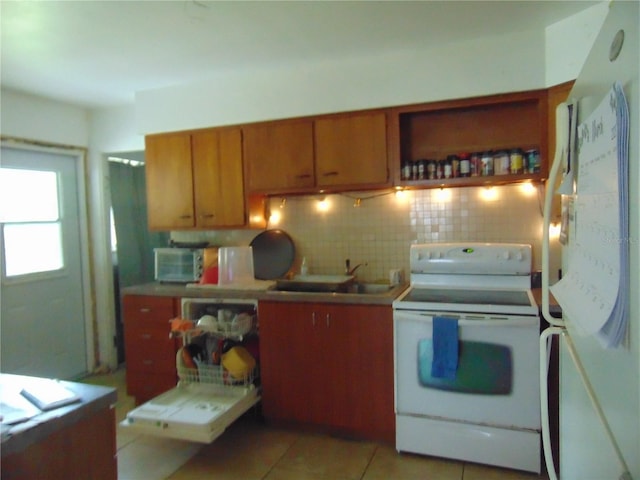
(303, 175)
(313, 318)
(330, 174)
(145, 310)
(147, 362)
(184, 217)
(207, 215)
(145, 336)
(328, 319)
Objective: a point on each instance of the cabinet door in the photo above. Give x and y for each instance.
(329, 365)
(368, 370)
(218, 181)
(279, 156)
(351, 150)
(285, 360)
(169, 181)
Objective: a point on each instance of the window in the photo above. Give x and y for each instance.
(30, 221)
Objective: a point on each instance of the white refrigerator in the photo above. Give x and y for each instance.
(599, 436)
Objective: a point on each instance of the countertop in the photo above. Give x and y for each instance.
(92, 399)
(213, 291)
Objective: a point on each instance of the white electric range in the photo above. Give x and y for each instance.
(475, 299)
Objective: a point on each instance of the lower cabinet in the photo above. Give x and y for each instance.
(150, 353)
(328, 365)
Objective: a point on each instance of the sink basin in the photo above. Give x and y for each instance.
(316, 283)
(369, 288)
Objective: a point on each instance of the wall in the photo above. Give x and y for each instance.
(35, 118)
(421, 74)
(380, 230)
(568, 42)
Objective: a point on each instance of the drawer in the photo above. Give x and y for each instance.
(150, 350)
(144, 309)
(145, 386)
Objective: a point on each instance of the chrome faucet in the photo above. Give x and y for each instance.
(351, 271)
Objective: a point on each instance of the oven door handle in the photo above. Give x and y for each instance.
(472, 320)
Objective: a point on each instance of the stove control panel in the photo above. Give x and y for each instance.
(471, 258)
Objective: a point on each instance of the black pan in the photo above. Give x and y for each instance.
(273, 254)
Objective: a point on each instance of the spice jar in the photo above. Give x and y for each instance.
(516, 164)
(475, 164)
(406, 171)
(486, 164)
(465, 164)
(447, 168)
(422, 169)
(532, 158)
(431, 169)
(501, 162)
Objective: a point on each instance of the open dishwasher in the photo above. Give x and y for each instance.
(217, 369)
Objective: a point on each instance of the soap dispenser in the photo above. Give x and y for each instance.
(304, 270)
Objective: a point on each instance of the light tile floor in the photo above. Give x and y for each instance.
(251, 450)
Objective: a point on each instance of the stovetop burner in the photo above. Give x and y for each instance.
(490, 278)
(478, 297)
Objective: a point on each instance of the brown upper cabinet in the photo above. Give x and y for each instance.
(326, 153)
(195, 180)
(436, 130)
(351, 150)
(279, 156)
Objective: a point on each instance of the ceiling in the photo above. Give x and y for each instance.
(99, 53)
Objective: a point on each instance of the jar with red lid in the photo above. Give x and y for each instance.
(475, 164)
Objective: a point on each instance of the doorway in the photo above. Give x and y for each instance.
(132, 243)
(46, 325)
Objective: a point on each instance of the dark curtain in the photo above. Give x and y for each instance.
(133, 260)
(135, 241)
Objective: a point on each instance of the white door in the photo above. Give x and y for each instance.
(43, 307)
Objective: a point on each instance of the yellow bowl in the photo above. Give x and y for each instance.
(238, 362)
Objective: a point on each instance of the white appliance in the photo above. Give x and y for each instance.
(487, 409)
(599, 373)
(207, 399)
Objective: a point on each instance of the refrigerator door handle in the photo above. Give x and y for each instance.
(562, 143)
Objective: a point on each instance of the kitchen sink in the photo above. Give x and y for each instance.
(369, 288)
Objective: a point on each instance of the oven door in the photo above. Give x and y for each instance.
(496, 382)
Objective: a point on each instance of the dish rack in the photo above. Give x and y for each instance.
(212, 375)
(215, 374)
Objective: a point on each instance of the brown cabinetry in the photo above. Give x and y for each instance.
(149, 351)
(195, 180)
(437, 130)
(328, 365)
(333, 152)
(279, 156)
(351, 150)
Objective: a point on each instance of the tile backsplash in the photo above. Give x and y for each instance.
(377, 228)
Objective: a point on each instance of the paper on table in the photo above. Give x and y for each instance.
(593, 292)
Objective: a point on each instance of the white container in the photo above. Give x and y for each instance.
(235, 265)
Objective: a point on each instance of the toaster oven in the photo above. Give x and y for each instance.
(178, 265)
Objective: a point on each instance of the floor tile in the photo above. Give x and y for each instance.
(151, 458)
(481, 472)
(247, 450)
(387, 463)
(324, 455)
(285, 474)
